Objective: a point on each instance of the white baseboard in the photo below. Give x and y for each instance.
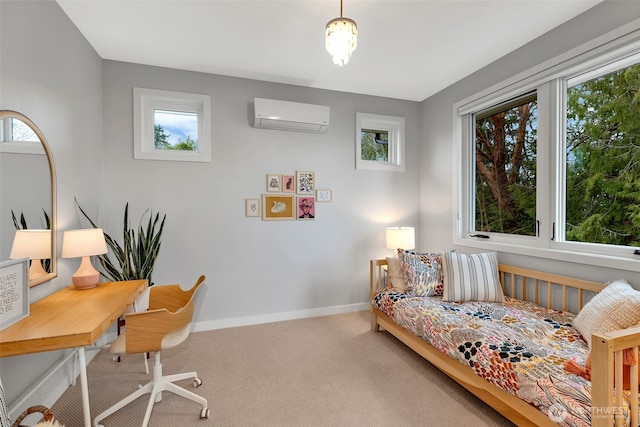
(50, 387)
(277, 317)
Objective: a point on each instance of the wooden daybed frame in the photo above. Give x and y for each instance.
(516, 282)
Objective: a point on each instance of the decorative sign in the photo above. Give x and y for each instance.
(14, 291)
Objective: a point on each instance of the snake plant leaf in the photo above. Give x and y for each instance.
(136, 257)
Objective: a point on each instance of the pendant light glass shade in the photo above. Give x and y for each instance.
(341, 38)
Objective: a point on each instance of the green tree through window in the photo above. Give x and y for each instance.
(603, 159)
(374, 145)
(505, 176)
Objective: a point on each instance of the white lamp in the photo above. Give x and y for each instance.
(341, 38)
(401, 237)
(35, 245)
(84, 243)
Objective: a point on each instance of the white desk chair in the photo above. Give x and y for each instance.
(165, 325)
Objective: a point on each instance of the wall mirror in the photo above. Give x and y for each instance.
(27, 196)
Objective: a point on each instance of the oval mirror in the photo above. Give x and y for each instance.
(27, 196)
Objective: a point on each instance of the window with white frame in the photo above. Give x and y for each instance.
(379, 142)
(550, 165)
(171, 125)
(17, 137)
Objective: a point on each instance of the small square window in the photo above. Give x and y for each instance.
(379, 142)
(171, 126)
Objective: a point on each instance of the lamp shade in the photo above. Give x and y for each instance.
(32, 244)
(401, 237)
(83, 242)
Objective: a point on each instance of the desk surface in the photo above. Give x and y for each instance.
(70, 318)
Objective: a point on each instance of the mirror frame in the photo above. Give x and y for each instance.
(52, 171)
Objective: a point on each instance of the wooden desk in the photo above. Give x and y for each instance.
(71, 318)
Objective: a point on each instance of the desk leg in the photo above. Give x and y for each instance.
(84, 386)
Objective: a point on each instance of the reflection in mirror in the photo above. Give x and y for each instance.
(27, 196)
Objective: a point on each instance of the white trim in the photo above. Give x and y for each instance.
(24, 147)
(146, 101)
(277, 317)
(52, 385)
(395, 127)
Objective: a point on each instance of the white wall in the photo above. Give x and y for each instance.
(436, 175)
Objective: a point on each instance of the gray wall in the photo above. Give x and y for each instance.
(438, 207)
(257, 270)
(49, 72)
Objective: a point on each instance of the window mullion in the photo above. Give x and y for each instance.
(547, 125)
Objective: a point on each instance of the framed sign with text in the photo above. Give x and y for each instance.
(14, 291)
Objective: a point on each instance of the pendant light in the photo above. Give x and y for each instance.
(341, 38)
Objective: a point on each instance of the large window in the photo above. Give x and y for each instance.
(603, 158)
(550, 165)
(505, 176)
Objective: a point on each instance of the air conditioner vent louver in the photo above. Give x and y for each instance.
(290, 116)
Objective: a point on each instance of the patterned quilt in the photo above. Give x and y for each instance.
(517, 346)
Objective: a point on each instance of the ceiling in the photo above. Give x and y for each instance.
(407, 49)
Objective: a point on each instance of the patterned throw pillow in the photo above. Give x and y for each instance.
(422, 273)
(617, 306)
(471, 277)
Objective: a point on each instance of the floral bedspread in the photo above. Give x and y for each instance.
(517, 346)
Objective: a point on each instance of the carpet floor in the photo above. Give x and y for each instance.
(324, 371)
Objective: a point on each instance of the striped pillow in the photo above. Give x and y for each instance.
(471, 277)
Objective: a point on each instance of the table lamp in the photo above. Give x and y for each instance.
(401, 237)
(35, 245)
(84, 243)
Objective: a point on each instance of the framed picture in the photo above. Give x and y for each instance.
(275, 207)
(305, 182)
(252, 207)
(14, 282)
(306, 207)
(288, 183)
(273, 183)
(323, 195)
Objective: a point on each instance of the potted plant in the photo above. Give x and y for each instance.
(136, 257)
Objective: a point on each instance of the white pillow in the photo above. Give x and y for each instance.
(394, 270)
(617, 306)
(471, 277)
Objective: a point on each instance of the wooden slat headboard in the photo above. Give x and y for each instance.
(531, 281)
(521, 283)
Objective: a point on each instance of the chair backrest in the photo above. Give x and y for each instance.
(170, 311)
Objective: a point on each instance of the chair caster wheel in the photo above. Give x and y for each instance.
(204, 413)
(197, 383)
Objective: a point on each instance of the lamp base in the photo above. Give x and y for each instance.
(36, 270)
(86, 277)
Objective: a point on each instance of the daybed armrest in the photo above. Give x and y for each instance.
(376, 276)
(607, 353)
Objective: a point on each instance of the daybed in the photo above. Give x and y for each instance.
(523, 376)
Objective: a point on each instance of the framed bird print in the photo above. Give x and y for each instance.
(278, 207)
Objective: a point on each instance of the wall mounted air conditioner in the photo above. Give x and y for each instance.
(292, 116)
